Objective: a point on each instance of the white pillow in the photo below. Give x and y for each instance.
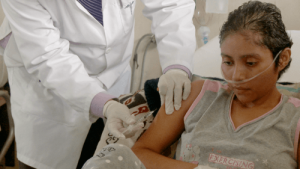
(207, 59)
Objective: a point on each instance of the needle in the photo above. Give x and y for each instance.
(129, 128)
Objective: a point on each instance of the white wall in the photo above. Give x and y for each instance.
(290, 10)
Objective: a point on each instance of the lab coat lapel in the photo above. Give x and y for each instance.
(85, 11)
(100, 26)
(104, 2)
(81, 7)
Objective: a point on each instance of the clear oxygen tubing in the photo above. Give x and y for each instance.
(247, 80)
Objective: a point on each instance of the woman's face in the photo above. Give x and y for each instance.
(242, 59)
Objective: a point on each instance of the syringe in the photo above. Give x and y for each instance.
(130, 127)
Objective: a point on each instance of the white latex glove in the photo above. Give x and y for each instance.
(117, 115)
(171, 85)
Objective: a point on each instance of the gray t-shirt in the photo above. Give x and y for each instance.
(211, 140)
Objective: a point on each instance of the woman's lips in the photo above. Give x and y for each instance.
(240, 89)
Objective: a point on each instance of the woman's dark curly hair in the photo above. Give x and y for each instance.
(263, 19)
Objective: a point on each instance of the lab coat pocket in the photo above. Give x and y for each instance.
(43, 102)
(127, 15)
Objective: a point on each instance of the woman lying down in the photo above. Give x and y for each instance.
(243, 124)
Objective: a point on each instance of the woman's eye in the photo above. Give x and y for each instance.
(227, 63)
(251, 63)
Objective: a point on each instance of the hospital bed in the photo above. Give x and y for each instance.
(207, 61)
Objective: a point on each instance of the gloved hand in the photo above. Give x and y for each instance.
(170, 87)
(118, 116)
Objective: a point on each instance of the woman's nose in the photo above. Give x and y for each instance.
(239, 73)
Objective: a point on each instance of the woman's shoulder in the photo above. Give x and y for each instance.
(208, 90)
(210, 85)
(292, 101)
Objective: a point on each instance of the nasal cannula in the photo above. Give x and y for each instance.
(247, 80)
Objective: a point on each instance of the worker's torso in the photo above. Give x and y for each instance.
(105, 51)
(42, 117)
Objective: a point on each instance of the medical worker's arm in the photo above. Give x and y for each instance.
(174, 32)
(165, 130)
(47, 56)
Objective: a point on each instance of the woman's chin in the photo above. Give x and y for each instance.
(244, 100)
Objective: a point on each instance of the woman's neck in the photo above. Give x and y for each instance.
(269, 100)
(243, 113)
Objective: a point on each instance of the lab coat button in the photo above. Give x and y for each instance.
(107, 50)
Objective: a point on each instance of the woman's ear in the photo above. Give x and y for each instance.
(284, 58)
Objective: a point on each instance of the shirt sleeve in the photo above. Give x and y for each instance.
(98, 103)
(46, 55)
(179, 67)
(174, 30)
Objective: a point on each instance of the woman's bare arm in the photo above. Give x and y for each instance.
(165, 130)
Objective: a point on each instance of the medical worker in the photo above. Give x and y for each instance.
(67, 60)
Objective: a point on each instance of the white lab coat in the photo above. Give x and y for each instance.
(59, 57)
(3, 72)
